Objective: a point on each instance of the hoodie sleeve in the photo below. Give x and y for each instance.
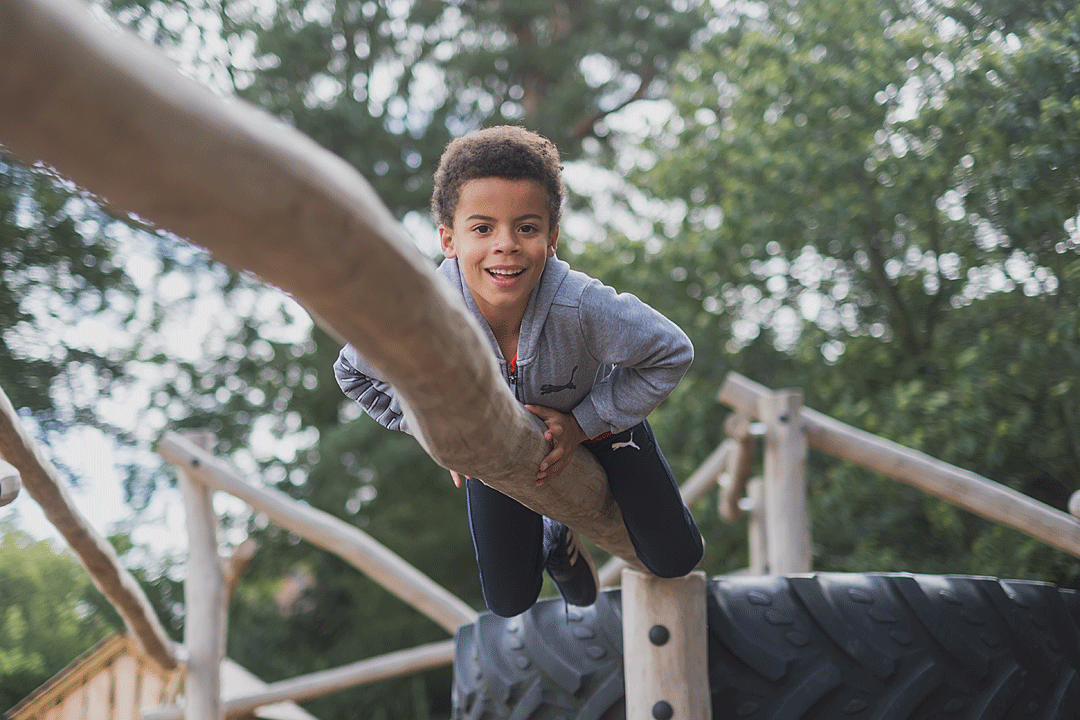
(650, 355)
(357, 380)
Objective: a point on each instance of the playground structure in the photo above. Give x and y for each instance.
(785, 429)
(118, 119)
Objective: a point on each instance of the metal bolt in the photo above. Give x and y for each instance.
(658, 635)
(663, 710)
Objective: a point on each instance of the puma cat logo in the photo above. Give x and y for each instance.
(548, 389)
(628, 443)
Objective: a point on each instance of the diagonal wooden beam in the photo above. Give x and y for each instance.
(10, 482)
(116, 116)
(94, 552)
(350, 543)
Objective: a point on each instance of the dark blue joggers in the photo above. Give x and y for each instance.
(509, 538)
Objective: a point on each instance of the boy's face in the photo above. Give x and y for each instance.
(502, 238)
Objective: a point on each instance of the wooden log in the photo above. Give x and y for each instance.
(328, 532)
(757, 537)
(10, 482)
(696, 486)
(44, 485)
(306, 687)
(237, 562)
(733, 480)
(665, 655)
(205, 596)
(787, 515)
(963, 488)
(116, 116)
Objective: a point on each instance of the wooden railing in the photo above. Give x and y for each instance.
(779, 534)
(210, 579)
(789, 429)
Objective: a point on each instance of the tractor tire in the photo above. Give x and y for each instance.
(806, 647)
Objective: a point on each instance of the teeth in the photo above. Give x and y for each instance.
(505, 273)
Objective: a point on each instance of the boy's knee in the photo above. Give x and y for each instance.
(507, 599)
(508, 607)
(677, 564)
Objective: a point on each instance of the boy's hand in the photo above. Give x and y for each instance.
(564, 434)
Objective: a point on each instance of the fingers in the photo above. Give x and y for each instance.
(540, 411)
(552, 465)
(559, 435)
(552, 418)
(456, 478)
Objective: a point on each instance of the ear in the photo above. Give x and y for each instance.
(553, 242)
(446, 242)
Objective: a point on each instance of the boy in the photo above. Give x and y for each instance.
(590, 363)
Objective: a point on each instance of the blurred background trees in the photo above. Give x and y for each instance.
(875, 202)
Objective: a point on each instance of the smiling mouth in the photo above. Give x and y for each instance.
(499, 273)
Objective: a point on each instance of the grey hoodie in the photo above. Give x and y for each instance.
(607, 357)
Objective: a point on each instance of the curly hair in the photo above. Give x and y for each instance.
(505, 151)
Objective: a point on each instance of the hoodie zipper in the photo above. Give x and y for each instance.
(512, 374)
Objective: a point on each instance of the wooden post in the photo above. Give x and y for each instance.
(963, 488)
(10, 482)
(665, 651)
(787, 517)
(758, 538)
(205, 597)
(328, 532)
(235, 565)
(741, 433)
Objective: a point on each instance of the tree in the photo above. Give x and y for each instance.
(384, 85)
(50, 613)
(877, 202)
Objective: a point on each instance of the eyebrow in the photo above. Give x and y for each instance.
(487, 218)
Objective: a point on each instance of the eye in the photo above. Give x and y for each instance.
(482, 228)
(528, 229)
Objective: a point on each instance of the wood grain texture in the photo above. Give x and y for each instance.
(116, 117)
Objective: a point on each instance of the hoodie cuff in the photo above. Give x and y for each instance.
(589, 420)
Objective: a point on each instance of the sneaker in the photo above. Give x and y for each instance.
(570, 565)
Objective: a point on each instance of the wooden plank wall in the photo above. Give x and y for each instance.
(111, 688)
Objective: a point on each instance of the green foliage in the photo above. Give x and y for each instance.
(878, 204)
(386, 85)
(873, 201)
(384, 484)
(50, 613)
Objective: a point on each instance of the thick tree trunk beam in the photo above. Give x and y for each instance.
(95, 553)
(963, 488)
(116, 117)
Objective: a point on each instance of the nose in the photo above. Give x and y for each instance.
(506, 241)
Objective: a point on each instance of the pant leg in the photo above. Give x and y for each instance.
(661, 528)
(508, 539)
